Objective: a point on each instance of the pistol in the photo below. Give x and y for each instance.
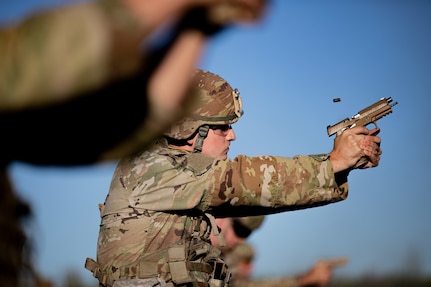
(334, 262)
(370, 114)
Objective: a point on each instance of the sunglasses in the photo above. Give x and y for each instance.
(221, 130)
(240, 230)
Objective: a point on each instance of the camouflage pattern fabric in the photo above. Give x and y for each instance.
(41, 89)
(213, 107)
(155, 195)
(152, 282)
(100, 39)
(97, 93)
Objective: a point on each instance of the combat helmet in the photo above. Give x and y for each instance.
(243, 252)
(218, 104)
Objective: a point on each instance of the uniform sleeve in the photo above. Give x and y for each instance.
(55, 55)
(272, 184)
(229, 187)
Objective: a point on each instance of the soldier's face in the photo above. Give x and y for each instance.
(231, 237)
(244, 269)
(217, 142)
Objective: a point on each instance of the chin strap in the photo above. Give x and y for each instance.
(202, 134)
(215, 230)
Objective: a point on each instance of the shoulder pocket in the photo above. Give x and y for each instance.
(199, 163)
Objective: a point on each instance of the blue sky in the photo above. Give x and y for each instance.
(288, 69)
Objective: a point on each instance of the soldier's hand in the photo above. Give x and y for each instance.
(372, 152)
(354, 144)
(237, 11)
(319, 275)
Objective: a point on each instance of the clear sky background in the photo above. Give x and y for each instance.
(288, 69)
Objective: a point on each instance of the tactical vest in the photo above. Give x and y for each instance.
(192, 261)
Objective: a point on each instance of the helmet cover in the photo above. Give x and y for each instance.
(218, 104)
(244, 252)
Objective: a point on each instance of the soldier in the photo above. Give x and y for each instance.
(240, 261)
(162, 203)
(76, 86)
(231, 240)
(239, 255)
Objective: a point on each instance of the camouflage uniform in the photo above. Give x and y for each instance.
(159, 211)
(100, 39)
(81, 91)
(36, 78)
(83, 68)
(73, 86)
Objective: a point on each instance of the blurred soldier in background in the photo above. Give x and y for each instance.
(94, 81)
(240, 260)
(88, 82)
(234, 230)
(239, 256)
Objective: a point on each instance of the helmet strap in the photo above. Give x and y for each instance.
(202, 134)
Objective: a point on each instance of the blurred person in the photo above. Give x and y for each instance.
(95, 70)
(86, 82)
(234, 231)
(160, 210)
(240, 262)
(239, 256)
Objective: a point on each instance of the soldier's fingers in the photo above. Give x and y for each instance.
(374, 131)
(359, 130)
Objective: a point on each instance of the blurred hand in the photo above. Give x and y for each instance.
(236, 11)
(353, 145)
(319, 275)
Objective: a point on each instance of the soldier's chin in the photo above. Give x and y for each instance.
(223, 156)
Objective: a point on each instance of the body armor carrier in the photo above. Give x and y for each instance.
(192, 261)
